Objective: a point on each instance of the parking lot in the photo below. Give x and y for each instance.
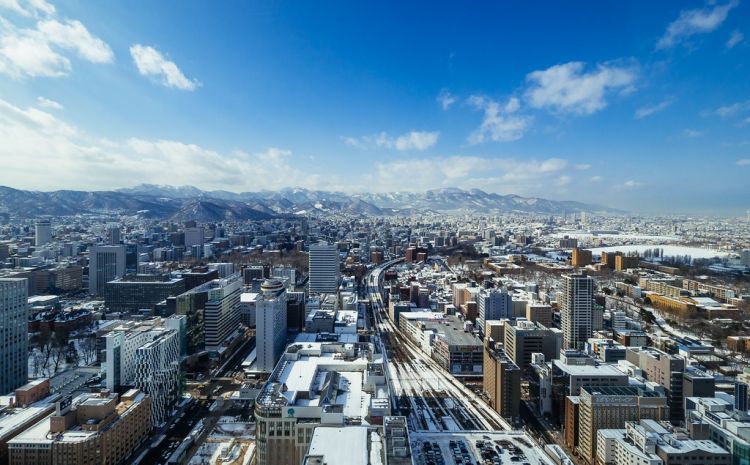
(476, 448)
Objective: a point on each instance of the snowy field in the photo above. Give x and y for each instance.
(669, 250)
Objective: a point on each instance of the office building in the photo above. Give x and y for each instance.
(248, 301)
(195, 236)
(42, 232)
(647, 442)
(526, 337)
(493, 304)
(113, 234)
(14, 320)
(157, 372)
(539, 313)
(323, 269)
(576, 310)
(740, 396)
(315, 384)
(106, 263)
(252, 273)
(270, 324)
(719, 420)
(98, 429)
(665, 369)
(140, 291)
(285, 272)
(221, 315)
(501, 380)
(33, 402)
(611, 407)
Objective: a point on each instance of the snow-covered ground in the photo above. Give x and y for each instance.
(669, 250)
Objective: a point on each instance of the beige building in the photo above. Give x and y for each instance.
(98, 430)
(526, 338)
(501, 381)
(611, 407)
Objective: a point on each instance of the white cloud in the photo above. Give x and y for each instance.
(29, 7)
(735, 38)
(150, 62)
(743, 162)
(568, 88)
(726, 111)
(39, 51)
(583, 166)
(48, 103)
(65, 157)
(649, 110)
(596, 179)
(525, 177)
(500, 123)
(692, 133)
(446, 99)
(697, 21)
(413, 140)
(629, 184)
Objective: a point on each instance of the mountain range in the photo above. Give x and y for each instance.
(187, 202)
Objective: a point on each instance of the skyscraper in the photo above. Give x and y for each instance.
(576, 310)
(222, 310)
(14, 369)
(113, 234)
(324, 269)
(270, 324)
(106, 263)
(42, 232)
(157, 372)
(194, 236)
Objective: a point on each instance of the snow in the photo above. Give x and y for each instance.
(669, 250)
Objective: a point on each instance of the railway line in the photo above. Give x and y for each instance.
(422, 390)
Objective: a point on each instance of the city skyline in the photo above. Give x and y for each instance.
(633, 106)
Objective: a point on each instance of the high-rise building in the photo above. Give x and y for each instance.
(194, 236)
(157, 372)
(740, 397)
(493, 304)
(576, 310)
(140, 291)
(526, 337)
(270, 324)
(501, 381)
(106, 263)
(42, 232)
(665, 369)
(222, 310)
(251, 273)
(14, 320)
(113, 234)
(611, 407)
(323, 269)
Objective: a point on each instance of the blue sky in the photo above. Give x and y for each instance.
(638, 105)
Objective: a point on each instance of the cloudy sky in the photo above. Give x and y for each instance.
(638, 105)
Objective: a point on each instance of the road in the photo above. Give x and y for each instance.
(432, 398)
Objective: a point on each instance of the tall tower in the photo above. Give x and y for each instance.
(270, 324)
(113, 234)
(106, 262)
(576, 310)
(14, 354)
(42, 232)
(324, 269)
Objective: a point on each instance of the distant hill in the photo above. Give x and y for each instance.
(187, 202)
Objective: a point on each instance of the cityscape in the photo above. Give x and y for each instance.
(331, 233)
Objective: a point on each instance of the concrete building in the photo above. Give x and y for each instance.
(323, 269)
(493, 304)
(248, 301)
(317, 384)
(576, 310)
(611, 407)
(113, 234)
(539, 313)
(106, 263)
(42, 232)
(157, 372)
(140, 291)
(501, 381)
(722, 422)
(96, 430)
(526, 337)
(270, 324)
(18, 417)
(14, 321)
(665, 369)
(581, 257)
(194, 236)
(222, 311)
(647, 442)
